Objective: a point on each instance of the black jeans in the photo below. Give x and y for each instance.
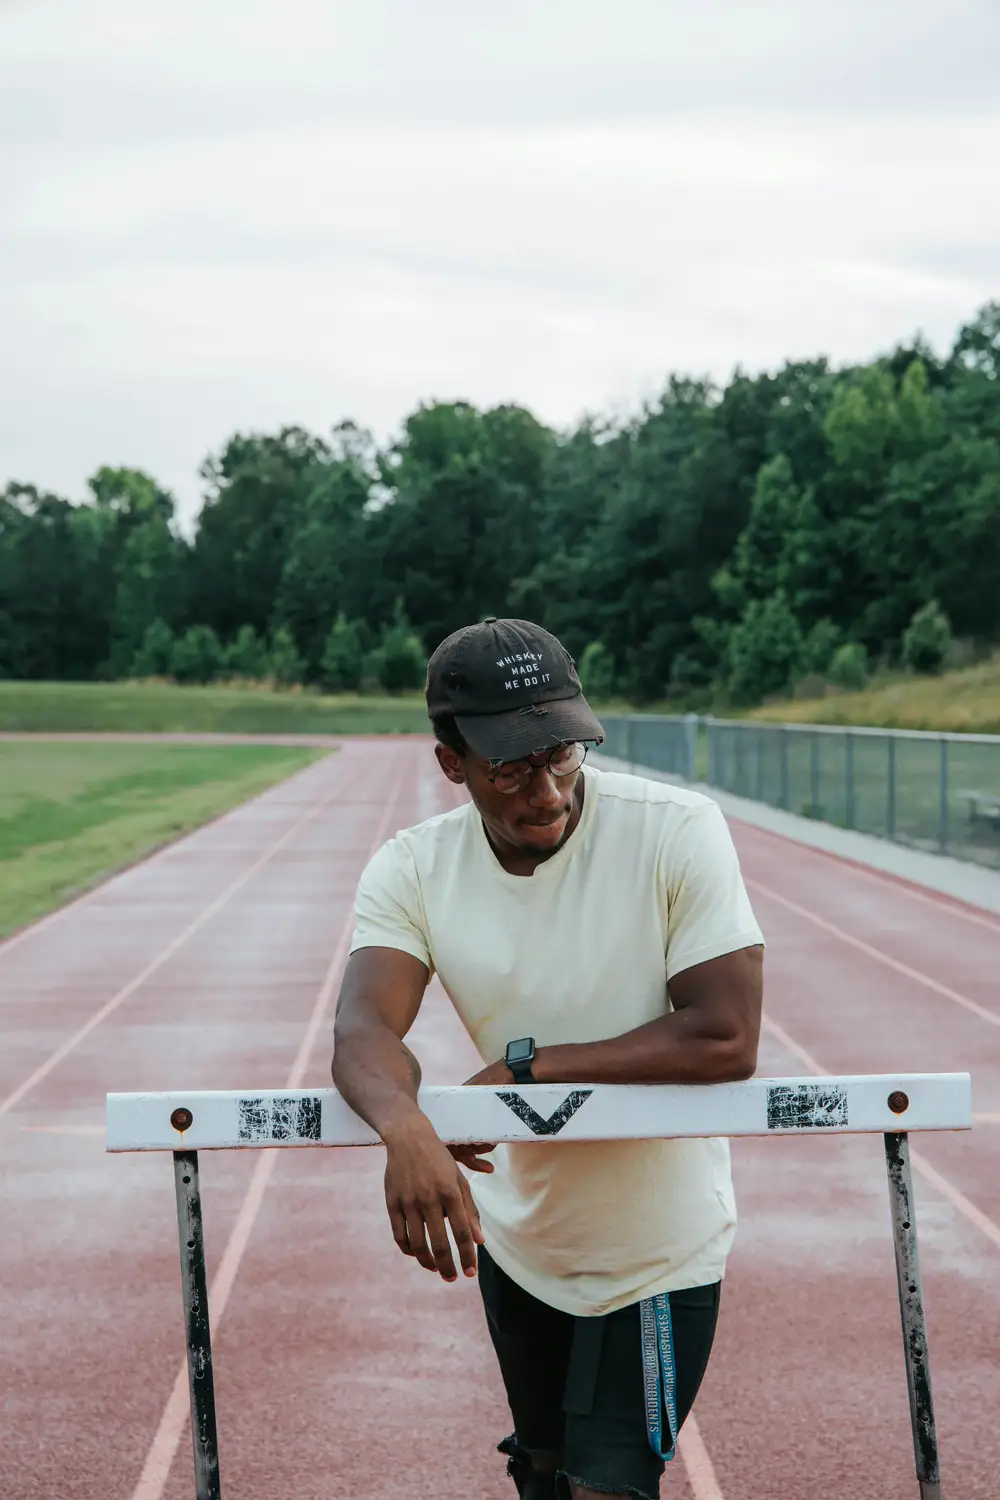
(575, 1387)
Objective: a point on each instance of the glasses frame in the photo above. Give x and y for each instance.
(546, 765)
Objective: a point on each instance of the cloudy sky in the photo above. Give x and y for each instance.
(223, 214)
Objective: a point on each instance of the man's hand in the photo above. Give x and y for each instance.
(495, 1076)
(426, 1193)
(470, 1155)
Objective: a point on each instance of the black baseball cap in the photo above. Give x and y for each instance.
(512, 688)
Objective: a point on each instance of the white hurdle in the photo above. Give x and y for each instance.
(892, 1105)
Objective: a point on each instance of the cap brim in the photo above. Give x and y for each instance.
(526, 731)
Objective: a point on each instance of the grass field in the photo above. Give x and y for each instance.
(71, 814)
(964, 702)
(160, 708)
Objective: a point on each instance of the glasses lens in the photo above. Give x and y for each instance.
(562, 761)
(567, 759)
(512, 776)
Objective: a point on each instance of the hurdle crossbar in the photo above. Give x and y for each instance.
(891, 1105)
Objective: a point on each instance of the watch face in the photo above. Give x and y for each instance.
(520, 1051)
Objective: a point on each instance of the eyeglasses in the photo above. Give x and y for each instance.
(514, 775)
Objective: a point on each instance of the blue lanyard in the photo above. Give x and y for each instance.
(659, 1373)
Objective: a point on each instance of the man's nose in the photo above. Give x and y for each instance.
(544, 791)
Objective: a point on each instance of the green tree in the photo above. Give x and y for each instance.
(246, 655)
(597, 671)
(764, 650)
(256, 492)
(197, 655)
(753, 572)
(977, 347)
(155, 654)
(849, 666)
(819, 648)
(342, 665)
(399, 662)
(326, 569)
(928, 639)
(465, 491)
(53, 618)
(285, 661)
(147, 571)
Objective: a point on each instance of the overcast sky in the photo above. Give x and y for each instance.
(224, 214)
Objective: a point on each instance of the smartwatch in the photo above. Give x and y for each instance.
(519, 1057)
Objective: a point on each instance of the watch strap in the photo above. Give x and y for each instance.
(520, 1067)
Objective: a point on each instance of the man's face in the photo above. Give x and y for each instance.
(532, 820)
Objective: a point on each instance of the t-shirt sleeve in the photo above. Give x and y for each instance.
(708, 909)
(388, 909)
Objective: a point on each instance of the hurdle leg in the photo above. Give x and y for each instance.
(194, 1285)
(911, 1309)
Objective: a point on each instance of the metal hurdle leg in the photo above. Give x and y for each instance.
(194, 1285)
(911, 1310)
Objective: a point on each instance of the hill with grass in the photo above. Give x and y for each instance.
(962, 702)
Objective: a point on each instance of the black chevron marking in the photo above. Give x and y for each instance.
(556, 1120)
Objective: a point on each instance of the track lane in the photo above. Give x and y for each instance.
(808, 1389)
(89, 1242)
(343, 1368)
(177, 884)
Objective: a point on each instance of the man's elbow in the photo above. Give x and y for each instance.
(735, 1059)
(342, 1033)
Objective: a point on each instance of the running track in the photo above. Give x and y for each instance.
(343, 1370)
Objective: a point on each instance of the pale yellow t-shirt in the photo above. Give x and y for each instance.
(648, 884)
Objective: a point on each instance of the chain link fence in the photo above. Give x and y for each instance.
(937, 792)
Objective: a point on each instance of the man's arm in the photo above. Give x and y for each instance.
(710, 1036)
(378, 1076)
(373, 1069)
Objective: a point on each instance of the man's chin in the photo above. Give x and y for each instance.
(543, 837)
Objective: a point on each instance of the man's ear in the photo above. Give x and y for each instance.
(451, 764)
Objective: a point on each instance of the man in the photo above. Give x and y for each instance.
(588, 928)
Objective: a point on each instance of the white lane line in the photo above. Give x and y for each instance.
(992, 1017)
(176, 1413)
(168, 952)
(985, 1119)
(7, 945)
(701, 1475)
(931, 1174)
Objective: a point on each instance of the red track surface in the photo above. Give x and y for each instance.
(343, 1370)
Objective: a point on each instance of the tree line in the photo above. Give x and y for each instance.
(720, 545)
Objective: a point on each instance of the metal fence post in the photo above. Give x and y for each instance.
(194, 1286)
(691, 746)
(849, 779)
(890, 789)
(785, 790)
(943, 795)
(911, 1311)
(814, 774)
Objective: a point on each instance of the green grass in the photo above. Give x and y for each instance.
(72, 814)
(965, 702)
(160, 708)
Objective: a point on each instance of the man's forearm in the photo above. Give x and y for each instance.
(710, 1036)
(377, 1074)
(676, 1048)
